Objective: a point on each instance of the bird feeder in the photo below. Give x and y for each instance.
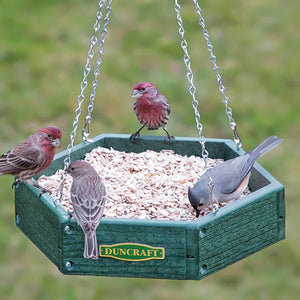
(156, 248)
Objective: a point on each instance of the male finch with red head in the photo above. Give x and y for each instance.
(88, 199)
(31, 156)
(151, 107)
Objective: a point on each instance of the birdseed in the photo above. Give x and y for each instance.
(147, 185)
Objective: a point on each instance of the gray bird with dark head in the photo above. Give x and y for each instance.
(230, 178)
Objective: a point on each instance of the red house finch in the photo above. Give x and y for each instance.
(229, 179)
(151, 107)
(31, 156)
(88, 199)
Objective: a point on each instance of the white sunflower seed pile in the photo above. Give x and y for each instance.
(147, 185)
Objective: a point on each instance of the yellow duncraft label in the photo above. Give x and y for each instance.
(132, 252)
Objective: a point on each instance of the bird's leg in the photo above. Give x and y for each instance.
(169, 137)
(36, 185)
(70, 215)
(15, 183)
(41, 189)
(136, 134)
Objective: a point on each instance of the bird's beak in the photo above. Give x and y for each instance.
(56, 143)
(136, 94)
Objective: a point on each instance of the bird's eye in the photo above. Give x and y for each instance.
(72, 169)
(143, 88)
(49, 135)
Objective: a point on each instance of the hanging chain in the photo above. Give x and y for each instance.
(88, 118)
(212, 195)
(84, 84)
(190, 76)
(213, 59)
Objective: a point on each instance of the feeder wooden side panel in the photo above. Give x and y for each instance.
(39, 223)
(114, 231)
(241, 229)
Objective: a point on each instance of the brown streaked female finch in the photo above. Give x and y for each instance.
(151, 107)
(31, 156)
(88, 199)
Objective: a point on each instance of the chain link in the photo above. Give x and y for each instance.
(190, 76)
(212, 195)
(216, 69)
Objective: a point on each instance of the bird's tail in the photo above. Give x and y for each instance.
(91, 247)
(267, 145)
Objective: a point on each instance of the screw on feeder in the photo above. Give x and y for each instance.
(203, 269)
(68, 229)
(17, 219)
(202, 232)
(69, 265)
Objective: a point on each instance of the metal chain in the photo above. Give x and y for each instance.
(88, 118)
(216, 69)
(190, 76)
(212, 195)
(84, 83)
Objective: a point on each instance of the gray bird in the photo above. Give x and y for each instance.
(228, 180)
(88, 199)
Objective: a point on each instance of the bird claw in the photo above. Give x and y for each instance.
(134, 136)
(44, 191)
(57, 202)
(70, 215)
(170, 138)
(15, 183)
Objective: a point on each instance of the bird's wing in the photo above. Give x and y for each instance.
(161, 98)
(231, 173)
(12, 162)
(88, 202)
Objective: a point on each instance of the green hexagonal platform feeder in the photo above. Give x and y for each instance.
(157, 248)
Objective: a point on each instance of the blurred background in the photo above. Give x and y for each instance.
(43, 48)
